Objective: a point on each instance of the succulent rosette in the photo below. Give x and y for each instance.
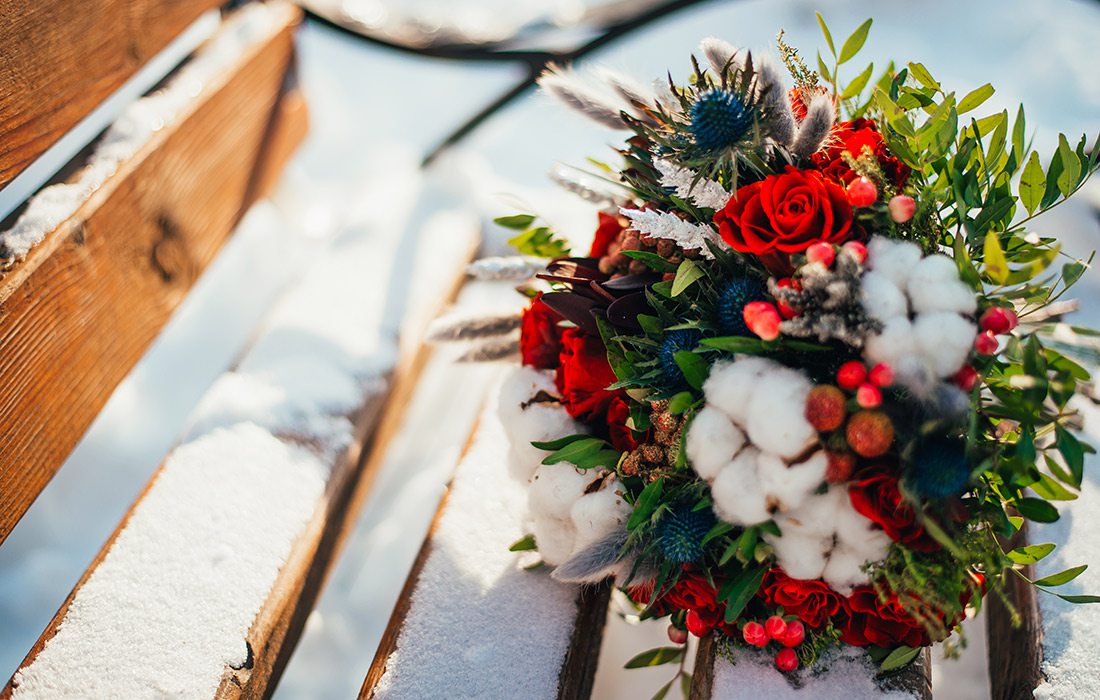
(808, 379)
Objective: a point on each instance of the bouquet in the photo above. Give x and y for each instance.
(810, 377)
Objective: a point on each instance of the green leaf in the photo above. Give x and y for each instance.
(1078, 599)
(996, 266)
(1072, 451)
(648, 501)
(1062, 577)
(737, 592)
(555, 445)
(516, 221)
(854, 43)
(825, 31)
(693, 367)
(899, 657)
(523, 544)
(575, 451)
(663, 690)
(734, 343)
(720, 528)
(685, 684)
(1037, 510)
(921, 73)
(858, 83)
(652, 260)
(1071, 167)
(656, 657)
(975, 97)
(1031, 553)
(680, 402)
(686, 275)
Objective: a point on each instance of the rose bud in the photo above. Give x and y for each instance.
(775, 626)
(902, 207)
(869, 396)
(822, 252)
(677, 635)
(999, 320)
(762, 319)
(786, 660)
(851, 375)
(794, 635)
(862, 192)
(755, 634)
(986, 343)
(857, 250)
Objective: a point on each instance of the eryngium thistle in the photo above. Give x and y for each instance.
(680, 533)
(940, 469)
(731, 304)
(674, 342)
(719, 119)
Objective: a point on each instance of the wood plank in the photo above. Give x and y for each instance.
(80, 310)
(1015, 651)
(58, 65)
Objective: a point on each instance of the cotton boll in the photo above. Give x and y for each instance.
(894, 260)
(951, 295)
(787, 487)
(801, 556)
(912, 373)
(596, 515)
(844, 571)
(736, 491)
(817, 516)
(554, 490)
(776, 413)
(555, 539)
(892, 344)
(712, 441)
(536, 423)
(730, 385)
(880, 298)
(944, 341)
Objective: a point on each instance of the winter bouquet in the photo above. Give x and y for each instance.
(810, 376)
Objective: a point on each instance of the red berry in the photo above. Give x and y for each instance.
(862, 192)
(825, 408)
(786, 660)
(881, 375)
(822, 252)
(840, 467)
(986, 343)
(857, 250)
(786, 311)
(762, 319)
(902, 207)
(999, 320)
(966, 378)
(677, 635)
(870, 433)
(851, 375)
(794, 635)
(755, 634)
(696, 625)
(869, 396)
(775, 626)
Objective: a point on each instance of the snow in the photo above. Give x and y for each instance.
(846, 674)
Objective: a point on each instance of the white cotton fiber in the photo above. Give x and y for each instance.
(892, 344)
(801, 556)
(730, 385)
(712, 441)
(881, 298)
(555, 488)
(555, 539)
(785, 487)
(816, 516)
(892, 259)
(944, 341)
(537, 422)
(776, 413)
(844, 570)
(935, 286)
(736, 492)
(596, 515)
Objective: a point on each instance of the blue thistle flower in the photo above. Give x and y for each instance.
(719, 118)
(680, 533)
(939, 468)
(731, 304)
(672, 343)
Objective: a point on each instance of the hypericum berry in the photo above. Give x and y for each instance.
(966, 378)
(862, 192)
(677, 635)
(868, 395)
(999, 320)
(870, 433)
(986, 343)
(821, 252)
(785, 310)
(825, 408)
(775, 626)
(881, 375)
(755, 634)
(762, 318)
(840, 467)
(794, 635)
(786, 660)
(857, 250)
(902, 207)
(851, 375)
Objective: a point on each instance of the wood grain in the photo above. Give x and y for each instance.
(1015, 651)
(80, 310)
(57, 64)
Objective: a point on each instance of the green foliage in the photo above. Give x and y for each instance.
(538, 241)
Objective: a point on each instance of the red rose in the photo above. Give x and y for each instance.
(812, 601)
(540, 336)
(870, 621)
(694, 594)
(877, 497)
(852, 137)
(608, 231)
(584, 375)
(621, 437)
(785, 213)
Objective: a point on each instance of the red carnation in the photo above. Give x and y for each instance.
(812, 601)
(540, 336)
(877, 497)
(784, 214)
(584, 375)
(606, 233)
(871, 621)
(853, 136)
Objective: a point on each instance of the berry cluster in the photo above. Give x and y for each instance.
(847, 413)
(787, 634)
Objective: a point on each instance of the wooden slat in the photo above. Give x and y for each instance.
(1015, 651)
(58, 64)
(81, 309)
